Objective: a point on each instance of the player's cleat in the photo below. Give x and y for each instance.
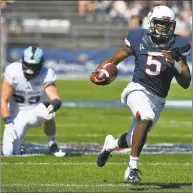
(131, 175)
(22, 150)
(54, 150)
(104, 154)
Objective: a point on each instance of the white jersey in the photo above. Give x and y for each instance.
(27, 94)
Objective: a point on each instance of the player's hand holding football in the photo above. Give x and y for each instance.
(167, 55)
(93, 78)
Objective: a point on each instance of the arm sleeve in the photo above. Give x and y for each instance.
(50, 78)
(133, 38)
(128, 40)
(185, 50)
(9, 75)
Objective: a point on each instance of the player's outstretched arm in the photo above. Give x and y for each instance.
(183, 77)
(115, 59)
(53, 94)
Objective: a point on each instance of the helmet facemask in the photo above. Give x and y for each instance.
(162, 28)
(31, 70)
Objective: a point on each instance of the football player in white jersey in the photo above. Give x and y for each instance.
(24, 89)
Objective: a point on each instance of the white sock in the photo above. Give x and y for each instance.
(133, 162)
(51, 139)
(111, 145)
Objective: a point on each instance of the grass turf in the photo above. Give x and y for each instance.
(92, 125)
(161, 173)
(86, 90)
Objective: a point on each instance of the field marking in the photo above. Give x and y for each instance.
(68, 185)
(160, 122)
(102, 135)
(94, 163)
(71, 125)
(172, 104)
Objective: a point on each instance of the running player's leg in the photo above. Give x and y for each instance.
(138, 102)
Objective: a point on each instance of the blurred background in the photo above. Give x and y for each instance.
(77, 35)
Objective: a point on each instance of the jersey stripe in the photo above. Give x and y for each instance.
(127, 43)
(186, 53)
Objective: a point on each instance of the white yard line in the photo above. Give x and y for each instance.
(71, 125)
(67, 185)
(171, 136)
(94, 163)
(102, 135)
(160, 122)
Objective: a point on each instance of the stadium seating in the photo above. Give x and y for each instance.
(58, 23)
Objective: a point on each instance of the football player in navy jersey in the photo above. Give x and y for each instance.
(160, 55)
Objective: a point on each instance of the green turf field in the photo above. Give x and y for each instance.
(79, 173)
(86, 90)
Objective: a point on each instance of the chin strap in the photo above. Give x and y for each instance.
(29, 76)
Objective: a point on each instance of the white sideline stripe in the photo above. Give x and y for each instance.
(68, 185)
(93, 163)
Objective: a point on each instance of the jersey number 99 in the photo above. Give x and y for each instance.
(21, 99)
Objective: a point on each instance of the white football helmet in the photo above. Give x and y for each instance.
(32, 61)
(161, 22)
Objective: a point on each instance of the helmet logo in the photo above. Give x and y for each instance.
(166, 18)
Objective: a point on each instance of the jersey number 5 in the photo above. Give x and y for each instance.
(150, 63)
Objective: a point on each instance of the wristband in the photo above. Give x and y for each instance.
(56, 104)
(46, 103)
(7, 120)
(178, 69)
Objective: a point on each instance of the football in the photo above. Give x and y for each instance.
(109, 72)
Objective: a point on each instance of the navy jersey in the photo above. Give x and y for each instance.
(151, 69)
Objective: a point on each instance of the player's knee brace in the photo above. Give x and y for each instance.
(122, 141)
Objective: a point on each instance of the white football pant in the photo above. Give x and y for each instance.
(143, 104)
(23, 120)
